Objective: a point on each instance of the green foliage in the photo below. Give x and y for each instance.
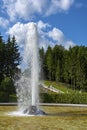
(67, 66)
(7, 85)
(12, 98)
(9, 58)
(58, 62)
(49, 62)
(60, 86)
(3, 96)
(7, 88)
(42, 62)
(74, 98)
(2, 57)
(13, 58)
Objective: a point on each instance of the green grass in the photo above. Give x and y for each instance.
(58, 118)
(61, 86)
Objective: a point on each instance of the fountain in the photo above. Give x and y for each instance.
(27, 86)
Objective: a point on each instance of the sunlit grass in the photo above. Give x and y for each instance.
(61, 86)
(58, 118)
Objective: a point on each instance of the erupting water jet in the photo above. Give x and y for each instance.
(27, 90)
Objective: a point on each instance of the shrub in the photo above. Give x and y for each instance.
(6, 88)
(7, 85)
(3, 96)
(13, 98)
(74, 98)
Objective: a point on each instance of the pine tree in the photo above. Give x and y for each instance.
(13, 57)
(42, 62)
(2, 57)
(49, 62)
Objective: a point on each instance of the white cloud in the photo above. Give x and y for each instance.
(66, 4)
(56, 35)
(59, 6)
(42, 25)
(19, 30)
(26, 9)
(45, 37)
(4, 22)
(69, 43)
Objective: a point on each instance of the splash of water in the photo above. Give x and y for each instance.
(27, 87)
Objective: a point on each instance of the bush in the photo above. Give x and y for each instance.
(7, 85)
(3, 96)
(6, 89)
(74, 98)
(13, 98)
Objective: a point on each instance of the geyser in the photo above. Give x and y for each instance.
(27, 86)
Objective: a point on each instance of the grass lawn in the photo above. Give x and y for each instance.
(58, 118)
(61, 86)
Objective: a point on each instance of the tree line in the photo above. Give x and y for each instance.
(67, 66)
(57, 64)
(9, 60)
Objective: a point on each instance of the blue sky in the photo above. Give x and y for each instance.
(59, 21)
